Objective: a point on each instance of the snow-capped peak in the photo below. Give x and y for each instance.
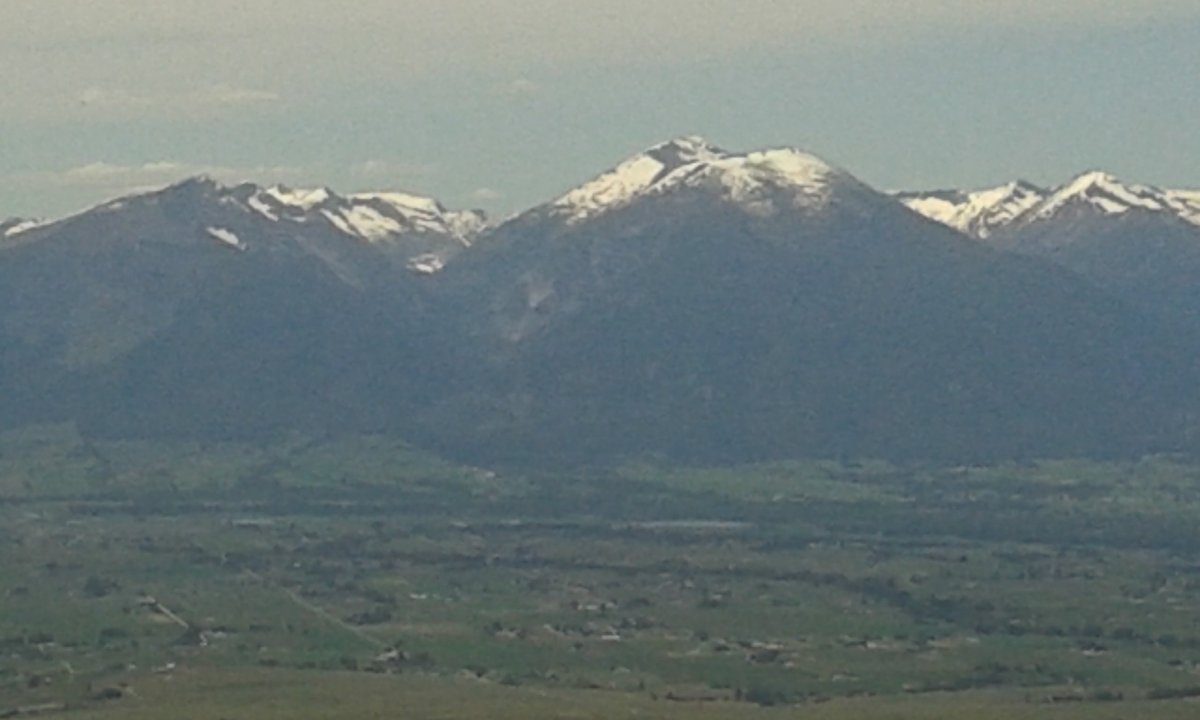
(978, 213)
(748, 179)
(781, 168)
(981, 213)
(370, 216)
(633, 177)
(247, 216)
(684, 150)
(1103, 192)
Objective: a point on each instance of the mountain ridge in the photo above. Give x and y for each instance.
(983, 213)
(702, 304)
(686, 322)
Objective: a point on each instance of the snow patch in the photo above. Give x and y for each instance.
(21, 226)
(427, 264)
(614, 188)
(228, 237)
(402, 202)
(364, 222)
(339, 222)
(256, 204)
(466, 224)
(302, 199)
(747, 177)
(373, 217)
(935, 208)
(421, 214)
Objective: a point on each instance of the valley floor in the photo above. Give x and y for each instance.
(361, 579)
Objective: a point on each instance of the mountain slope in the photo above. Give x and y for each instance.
(203, 307)
(766, 304)
(704, 304)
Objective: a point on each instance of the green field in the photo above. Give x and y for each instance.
(362, 579)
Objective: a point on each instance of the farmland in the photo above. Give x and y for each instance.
(360, 578)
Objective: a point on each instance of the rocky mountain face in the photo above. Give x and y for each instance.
(706, 305)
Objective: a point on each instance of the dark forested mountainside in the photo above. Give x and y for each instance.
(695, 303)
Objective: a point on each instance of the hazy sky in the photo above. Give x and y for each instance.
(505, 103)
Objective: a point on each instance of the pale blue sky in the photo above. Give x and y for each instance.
(503, 104)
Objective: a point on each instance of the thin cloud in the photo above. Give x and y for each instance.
(89, 184)
(53, 40)
(486, 194)
(383, 44)
(204, 101)
(117, 178)
(104, 98)
(230, 96)
(376, 170)
(103, 174)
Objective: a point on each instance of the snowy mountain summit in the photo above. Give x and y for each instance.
(1100, 192)
(415, 231)
(977, 213)
(983, 213)
(756, 181)
(371, 217)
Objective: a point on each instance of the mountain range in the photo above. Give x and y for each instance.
(691, 302)
(1137, 241)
